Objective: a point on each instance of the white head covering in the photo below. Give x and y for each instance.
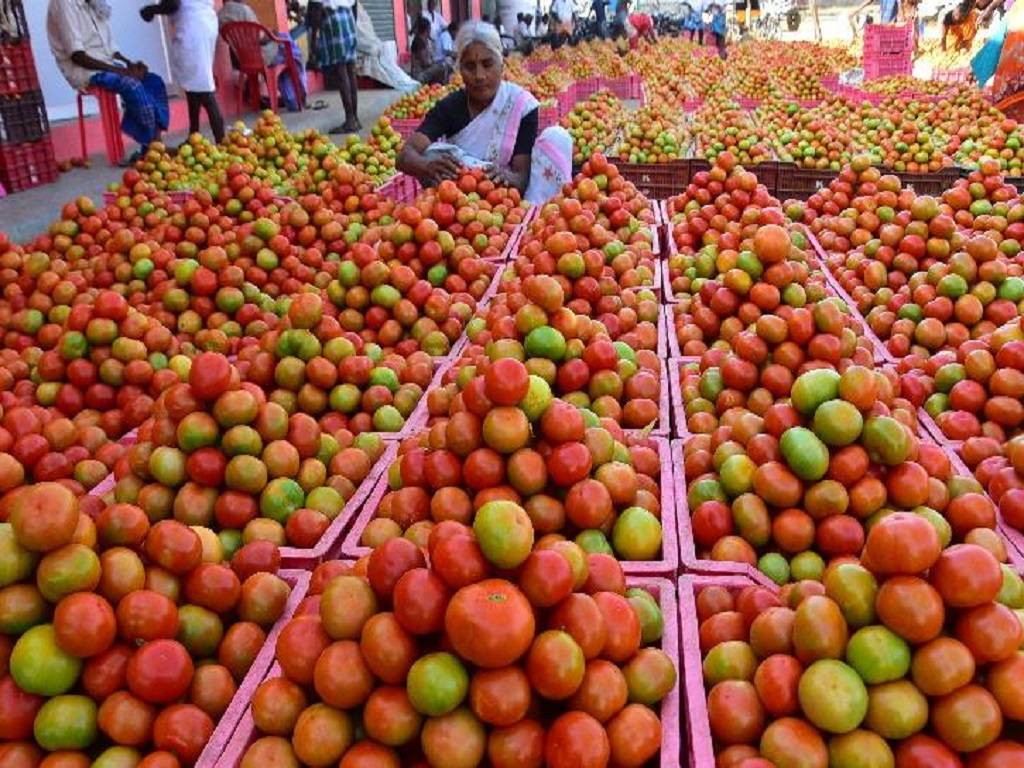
(478, 32)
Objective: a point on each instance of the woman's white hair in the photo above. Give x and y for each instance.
(481, 32)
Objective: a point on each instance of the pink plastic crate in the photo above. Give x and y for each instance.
(888, 38)
(687, 549)
(405, 126)
(669, 324)
(402, 188)
(310, 557)
(701, 746)
(547, 116)
(671, 720)
(211, 755)
(587, 87)
(351, 548)
(566, 100)
(621, 87)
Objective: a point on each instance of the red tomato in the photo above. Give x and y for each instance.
(160, 671)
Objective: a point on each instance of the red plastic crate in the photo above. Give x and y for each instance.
(17, 68)
(23, 166)
(23, 118)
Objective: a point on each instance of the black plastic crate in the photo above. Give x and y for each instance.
(23, 166)
(927, 183)
(797, 182)
(13, 24)
(657, 181)
(23, 118)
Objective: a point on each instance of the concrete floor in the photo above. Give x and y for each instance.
(26, 214)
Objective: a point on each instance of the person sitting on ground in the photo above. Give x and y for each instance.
(490, 122)
(425, 67)
(79, 35)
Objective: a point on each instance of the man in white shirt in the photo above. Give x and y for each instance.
(561, 10)
(79, 35)
(438, 30)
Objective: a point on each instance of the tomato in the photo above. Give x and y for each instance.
(341, 676)
(546, 578)
(38, 664)
(212, 689)
(499, 697)
(44, 516)
(902, 543)
(634, 735)
(580, 616)
(146, 615)
(735, 713)
(490, 623)
(239, 647)
(456, 739)
(390, 718)
(622, 624)
(126, 719)
(269, 750)
(389, 562)
(17, 710)
(911, 608)
(1000, 754)
(209, 376)
(214, 586)
(105, 673)
(1004, 682)
(923, 751)
(942, 665)
(967, 719)
(84, 624)
(276, 705)
(368, 754)
(776, 680)
(299, 646)
(603, 691)
(387, 648)
(420, 598)
(791, 741)
(576, 740)
(966, 575)
(992, 632)
(322, 734)
(160, 671)
(506, 381)
(520, 745)
(345, 606)
(819, 630)
(555, 665)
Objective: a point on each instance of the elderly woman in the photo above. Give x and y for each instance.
(490, 122)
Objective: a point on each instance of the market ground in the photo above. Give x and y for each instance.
(25, 214)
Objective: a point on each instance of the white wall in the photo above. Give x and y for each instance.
(132, 36)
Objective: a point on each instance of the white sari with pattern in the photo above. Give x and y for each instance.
(490, 138)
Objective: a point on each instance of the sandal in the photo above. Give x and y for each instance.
(344, 128)
(317, 105)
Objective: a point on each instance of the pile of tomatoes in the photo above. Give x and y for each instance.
(122, 637)
(224, 455)
(804, 481)
(908, 657)
(465, 660)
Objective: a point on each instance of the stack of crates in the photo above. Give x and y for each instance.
(26, 150)
(888, 50)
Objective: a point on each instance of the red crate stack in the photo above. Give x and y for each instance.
(26, 151)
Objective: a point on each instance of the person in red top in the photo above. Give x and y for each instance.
(643, 26)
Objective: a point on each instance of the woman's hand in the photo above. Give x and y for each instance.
(442, 165)
(503, 177)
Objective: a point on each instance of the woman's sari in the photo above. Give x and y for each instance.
(490, 138)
